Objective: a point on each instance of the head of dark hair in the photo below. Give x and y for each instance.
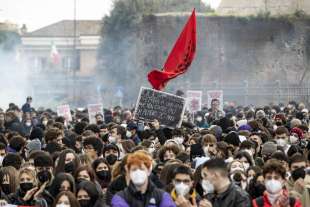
(217, 164)
(183, 169)
(17, 143)
(94, 128)
(2, 146)
(79, 127)
(98, 161)
(43, 160)
(89, 170)
(60, 119)
(279, 155)
(58, 180)
(62, 158)
(297, 157)
(14, 160)
(246, 155)
(274, 166)
(95, 142)
(120, 131)
(293, 150)
(91, 190)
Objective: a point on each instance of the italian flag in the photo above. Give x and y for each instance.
(55, 57)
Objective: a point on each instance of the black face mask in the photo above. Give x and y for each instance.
(104, 175)
(259, 189)
(298, 173)
(44, 176)
(84, 203)
(69, 167)
(6, 189)
(111, 159)
(26, 186)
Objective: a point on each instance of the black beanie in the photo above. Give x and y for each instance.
(36, 133)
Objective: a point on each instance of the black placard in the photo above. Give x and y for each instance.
(167, 108)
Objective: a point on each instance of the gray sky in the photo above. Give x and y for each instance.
(39, 13)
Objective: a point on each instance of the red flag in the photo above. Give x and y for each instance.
(179, 59)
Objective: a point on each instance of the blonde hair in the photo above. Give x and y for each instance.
(29, 172)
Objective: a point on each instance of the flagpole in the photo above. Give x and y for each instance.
(74, 53)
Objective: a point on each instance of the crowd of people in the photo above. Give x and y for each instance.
(238, 157)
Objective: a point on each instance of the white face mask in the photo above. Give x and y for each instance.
(138, 177)
(112, 139)
(246, 166)
(63, 205)
(281, 142)
(206, 151)
(182, 189)
(273, 186)
(179, 140)
(28, 124)
(44, 123)
(151, 150)
(207, 186)
(1, 160)
(128, 134)
(293, 140)
(199, 119)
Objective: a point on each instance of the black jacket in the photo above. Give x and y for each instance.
(233, 197)
(15, 125)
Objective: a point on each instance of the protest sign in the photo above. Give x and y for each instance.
(93, 110)
(194, 99)
(64, 111)
(215, 94)
(167, 108)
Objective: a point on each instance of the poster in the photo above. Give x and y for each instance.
(194, 100)
(215, 94)
(64, 111)
(93, 110)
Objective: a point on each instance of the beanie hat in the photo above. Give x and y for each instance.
(268, 148)
(34, 145)
(245, 127)
(297, 131)
(216, 131)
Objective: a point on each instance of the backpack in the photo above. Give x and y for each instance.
(260, 201)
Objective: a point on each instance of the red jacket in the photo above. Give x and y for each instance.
(268, 204)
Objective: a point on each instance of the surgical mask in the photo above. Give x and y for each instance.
(151, 150)
(128, 134)
(112, 139)
(28, 124)
(1, 160)
(281, 142)
(179, 140)
(63, 205)
(199, 119)
(273, 186)
(138, 177)
(293, 140)
(182, 189)
(207, 186)
(246, 166)
(44, 123)
(206, 151)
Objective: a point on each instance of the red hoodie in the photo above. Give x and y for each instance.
(268, 204)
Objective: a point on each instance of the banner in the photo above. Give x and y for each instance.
(194, 100)
(167, 108)
(215, 94)
(93, 110)
(64, 111)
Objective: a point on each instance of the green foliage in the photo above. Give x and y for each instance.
(9, 40)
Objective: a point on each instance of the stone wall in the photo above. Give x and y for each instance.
(254, 7)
